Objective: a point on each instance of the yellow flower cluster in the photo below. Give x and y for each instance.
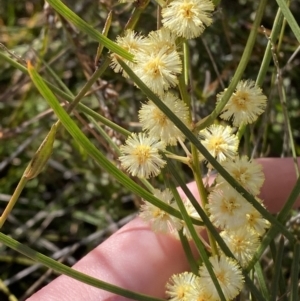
(157, 63)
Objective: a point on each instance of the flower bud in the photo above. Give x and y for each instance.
(41, 156)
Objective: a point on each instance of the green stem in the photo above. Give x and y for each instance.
(202, 193)
(288, 126)
(88, 85)
(188, 253)
(34, 167)
(277, 30)
(105, 33)
(103, 120)
(268, 55)
(147, 185)
(295, 273)
(6, 291)
(158, 17)
(282, 97)
(183, 84)
(181, 159)
(184, 76)
(281, 35)
(289, 18)
(14, 259)
(106, 137)
(141, 5)
(13, 199)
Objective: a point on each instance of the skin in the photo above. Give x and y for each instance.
(137, 259)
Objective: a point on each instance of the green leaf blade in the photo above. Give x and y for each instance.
(89, 30)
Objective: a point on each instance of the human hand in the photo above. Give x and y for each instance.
(138, 259)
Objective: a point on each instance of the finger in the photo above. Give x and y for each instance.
(134, 258)
(280, 179)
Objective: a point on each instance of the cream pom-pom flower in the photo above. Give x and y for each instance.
(140, 155)
(188, 18)
(158, 125)
(245, 104)
(248, 173)
(219, 141)
(158, 69)
(179, 285)
(229, 276)
(228, 209)
(243, 243)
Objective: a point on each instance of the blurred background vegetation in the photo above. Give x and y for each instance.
(73, 205)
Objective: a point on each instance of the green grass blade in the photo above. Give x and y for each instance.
(188, 252)
(261, 278)
(289, 18)
(264, 67)
(277, 270)
(63, 269)
(295, 274)
(89, 30)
